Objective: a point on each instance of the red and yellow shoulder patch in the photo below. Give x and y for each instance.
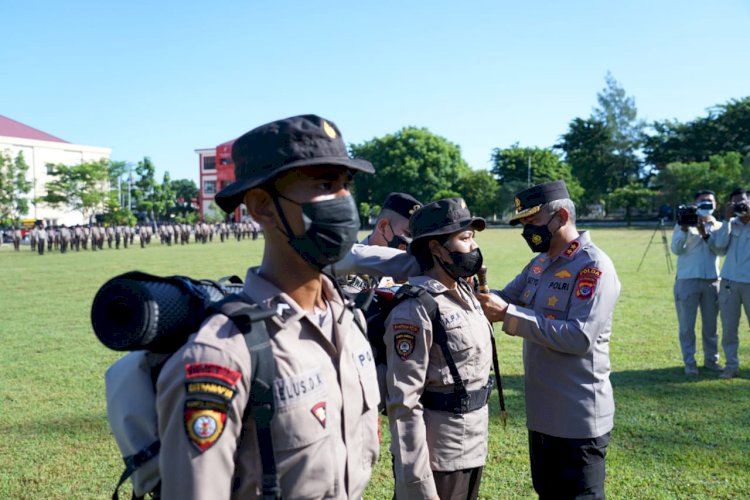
(587, 279)
(204, 426)
(404, 344)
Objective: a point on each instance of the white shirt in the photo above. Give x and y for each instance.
(733, 240)
(695, 256)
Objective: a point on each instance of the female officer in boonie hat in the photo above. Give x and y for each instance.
(439, 439)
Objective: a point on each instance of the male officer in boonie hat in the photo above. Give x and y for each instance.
(293, 176)
(391, 231)
(439, 424)
(561, 305)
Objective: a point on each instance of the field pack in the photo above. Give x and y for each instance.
(152, 317)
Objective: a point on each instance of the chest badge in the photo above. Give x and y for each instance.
(552, 301)
(319, 412)
(563, 274)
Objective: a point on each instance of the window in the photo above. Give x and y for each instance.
(209, 163)
(50, 168)
(209, 187)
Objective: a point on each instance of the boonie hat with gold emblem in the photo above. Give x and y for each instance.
(530, 201)
(442, 217)
(403, 204)
(278, 146)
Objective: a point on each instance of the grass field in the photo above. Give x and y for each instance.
(674, 437)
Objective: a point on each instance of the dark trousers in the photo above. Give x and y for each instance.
(455, 485)
(564, 468)
(458, 484)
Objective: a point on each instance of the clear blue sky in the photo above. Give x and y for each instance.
(163, 78)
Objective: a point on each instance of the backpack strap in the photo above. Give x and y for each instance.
(460, 399)
(132, 463)
(250, 319)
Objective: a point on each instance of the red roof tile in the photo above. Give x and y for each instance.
(12, 128)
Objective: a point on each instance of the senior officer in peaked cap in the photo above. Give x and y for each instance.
(561, 304)
(293, 176)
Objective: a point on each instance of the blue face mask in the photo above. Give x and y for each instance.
(330, 229)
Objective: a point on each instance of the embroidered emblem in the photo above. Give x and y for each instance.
(585, 288)
(414, 209)
(558, 285)
(290, 390)
(329, 130)
(563, 274)
(211, 389)
(405, 326)
(204, 427)
(552, 301)
(211, 370)
(572, 248)
(590, 273)
(536, 269)
(550, 316)
(319, 412)
(541, 259)
(404, 345)
(518, 204)
(536, 239)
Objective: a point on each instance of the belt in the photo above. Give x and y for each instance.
(454, 403)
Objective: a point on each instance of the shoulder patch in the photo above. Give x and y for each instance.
(585, 288)
(590, 273)
(212, 370)
(404, 344)
(405, 327)
(204, 426)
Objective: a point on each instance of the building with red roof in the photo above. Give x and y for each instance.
(41, 151)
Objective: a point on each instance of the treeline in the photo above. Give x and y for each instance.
(110, 190)
(611, 160)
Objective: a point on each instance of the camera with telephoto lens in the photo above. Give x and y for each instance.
(740, 208)
(687, 215)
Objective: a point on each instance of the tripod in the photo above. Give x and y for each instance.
(659, 225)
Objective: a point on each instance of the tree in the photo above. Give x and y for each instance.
(726, 128)
(479, 188)
(632, 196)
(82, 187)
(511, 167)
(166, 197)
(13, 187)
(185, 191)
(145, 191)
(413, 160)
(588, 148)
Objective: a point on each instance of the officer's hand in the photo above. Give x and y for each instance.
(493, 306)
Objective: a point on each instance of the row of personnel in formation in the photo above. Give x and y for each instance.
(293, 175)
(79, 237)
(698, 243)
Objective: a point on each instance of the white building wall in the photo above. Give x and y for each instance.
(37, 155)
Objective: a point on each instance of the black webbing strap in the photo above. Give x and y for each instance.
(460, 396)
(500, 395)
(132, 463)
(446, 401)
(250, 319)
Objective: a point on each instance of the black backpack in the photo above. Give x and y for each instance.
(133, 302)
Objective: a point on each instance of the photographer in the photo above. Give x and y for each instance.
(697, 283)
(733, 240)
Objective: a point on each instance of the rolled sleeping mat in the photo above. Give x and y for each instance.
(136, 310)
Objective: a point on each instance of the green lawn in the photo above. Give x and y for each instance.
(674, 437)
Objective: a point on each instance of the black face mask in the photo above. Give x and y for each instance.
(462, 264)
(539, 238)
(399, 242)
(330, 229)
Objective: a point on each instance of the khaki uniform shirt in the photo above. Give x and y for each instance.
(324, 429)
(563, 307)
(424, 440)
